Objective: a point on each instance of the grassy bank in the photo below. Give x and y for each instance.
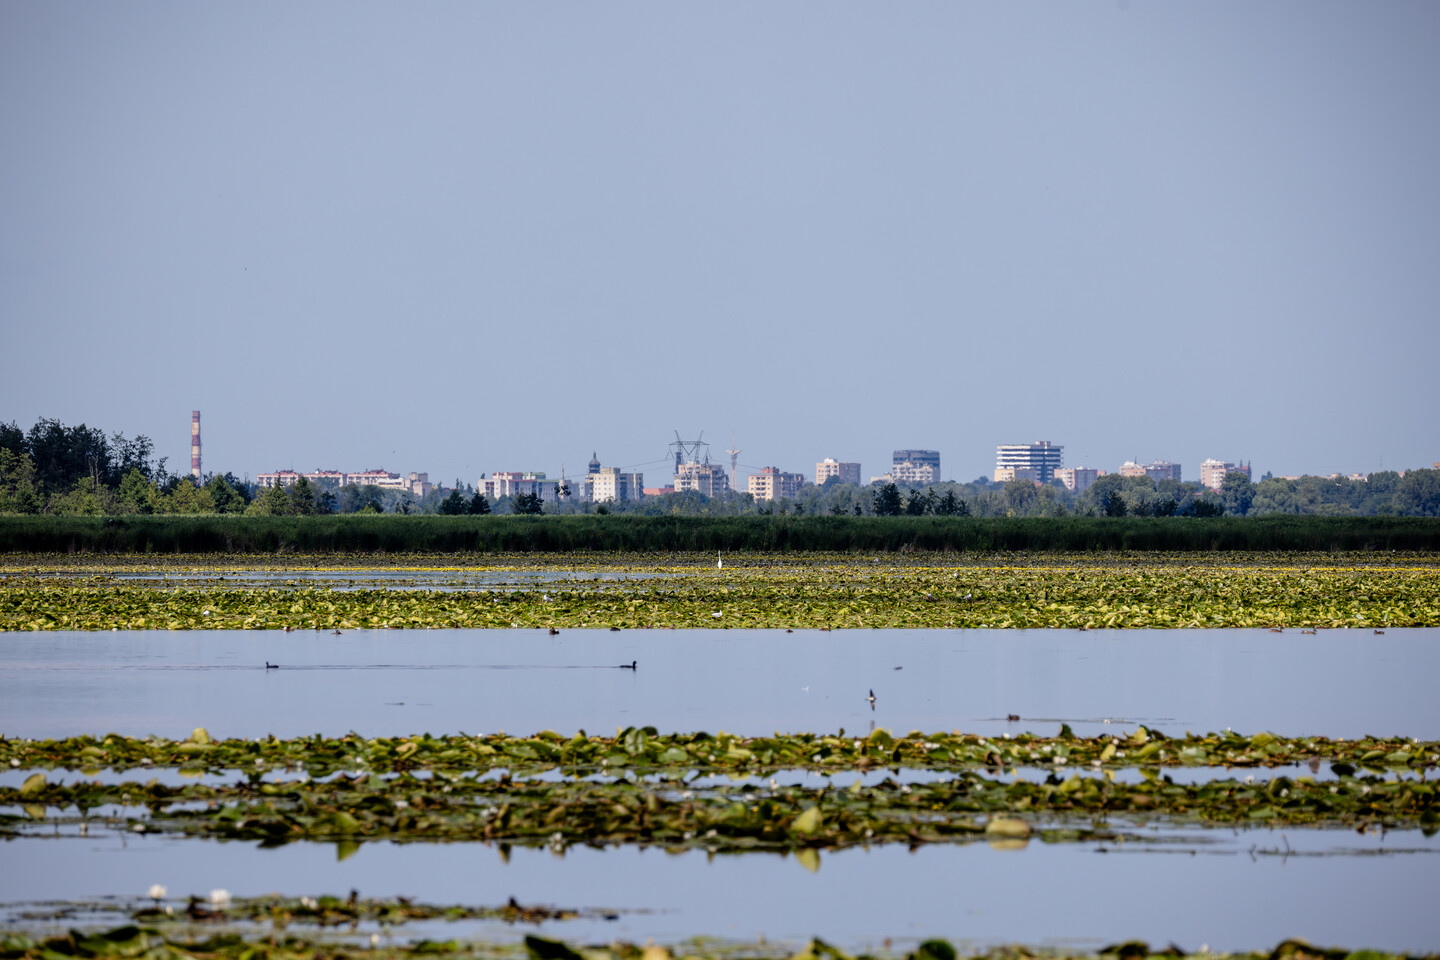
(608, 533)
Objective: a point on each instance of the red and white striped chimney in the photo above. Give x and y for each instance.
(195, 445)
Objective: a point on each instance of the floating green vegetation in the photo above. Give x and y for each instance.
(164, 942)
(643, 750)
(324, 911)
(828, 592)
(640, 788)
(965, 806)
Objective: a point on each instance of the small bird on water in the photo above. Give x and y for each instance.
(629, 666)
(271, 666)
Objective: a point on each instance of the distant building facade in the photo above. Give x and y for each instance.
(844, 472)
(416, 484)
(1212, 472)
(610, 484)
(773, 484)
(1028, 461)
(512, 483)
(912, 468)
(1155, 470)
(1078, 479)
(707, 478)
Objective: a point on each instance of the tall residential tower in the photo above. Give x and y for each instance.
(1027, 461)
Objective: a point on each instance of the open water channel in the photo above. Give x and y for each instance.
(1225, 889)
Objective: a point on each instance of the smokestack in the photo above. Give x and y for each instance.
(195, 445)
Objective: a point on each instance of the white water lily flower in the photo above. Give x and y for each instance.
(157, 892)
(220, 898)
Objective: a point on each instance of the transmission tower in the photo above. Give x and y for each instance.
(688, 451)
(734, 452)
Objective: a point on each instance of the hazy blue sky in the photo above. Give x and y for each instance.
(468, 237)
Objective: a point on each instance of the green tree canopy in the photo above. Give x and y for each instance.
(886, 501)
(1238, 493)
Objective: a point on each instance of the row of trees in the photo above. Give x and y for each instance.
(1417, 493)
(52, 468)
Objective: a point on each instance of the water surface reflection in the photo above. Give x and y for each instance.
(1228, 890)
(750, 682)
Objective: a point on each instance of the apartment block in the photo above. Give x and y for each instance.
(710, 479)
(844, 472)
(773, 484)
(1155, 470)
(1027, 461)
(512, 483)
(416, 484)
(608, 483)
(1212, 472)
(914, 467)
(1078, 479)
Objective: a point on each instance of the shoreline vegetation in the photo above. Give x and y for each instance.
(595, 533)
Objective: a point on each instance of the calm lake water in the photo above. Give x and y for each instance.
(1221, 888)
(1207, 889)
(750, 682)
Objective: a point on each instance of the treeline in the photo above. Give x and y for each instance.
(54, 469)
(81, 471)
(379, 534)
(1415, 494)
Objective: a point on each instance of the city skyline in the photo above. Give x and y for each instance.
(501, 237)
(658, 468)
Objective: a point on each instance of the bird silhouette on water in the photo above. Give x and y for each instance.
(271, 666)
(629, 666)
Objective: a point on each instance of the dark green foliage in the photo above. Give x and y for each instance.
(1207, 506)
(887, 501)
(1418, 494)
(366, 533)
(951, 506)
(302, 498)
(527, 503)
(918, 504)
(454, 505)
(479, 506)
(1238, 493)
